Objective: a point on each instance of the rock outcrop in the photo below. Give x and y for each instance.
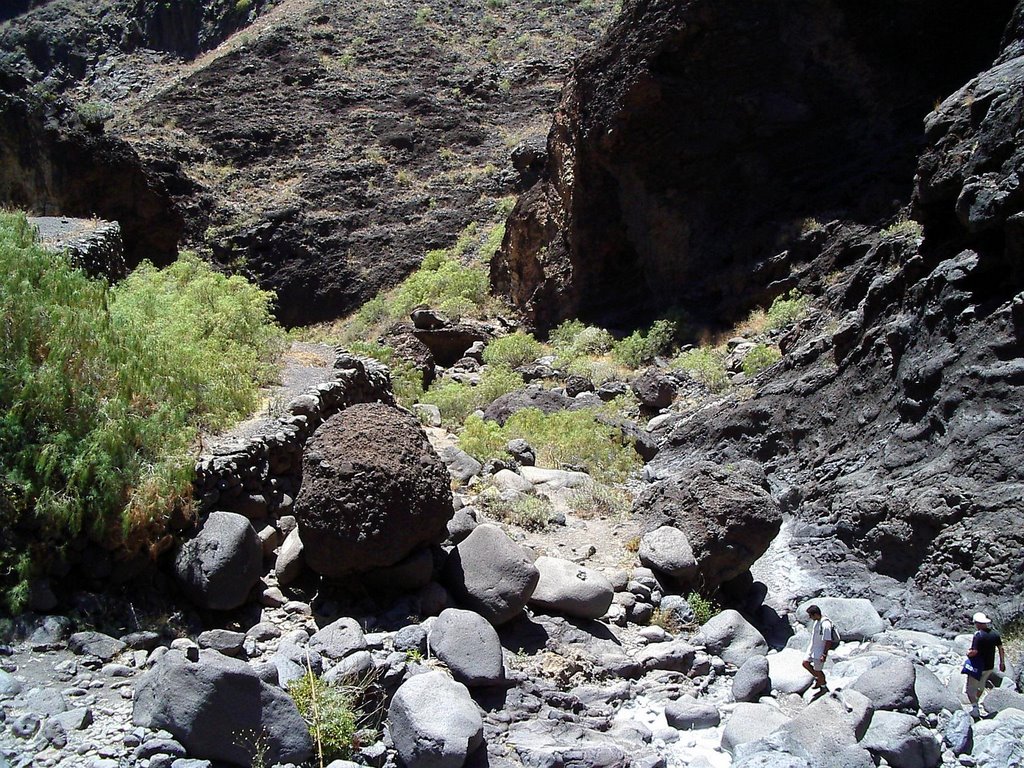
(693, 144)
(373, 490)
(725, 514)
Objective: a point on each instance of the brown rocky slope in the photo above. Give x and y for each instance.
(329, 145)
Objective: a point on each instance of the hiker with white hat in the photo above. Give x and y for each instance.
(981, 658)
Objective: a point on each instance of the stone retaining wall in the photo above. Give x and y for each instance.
(259, 476)
(92, 245)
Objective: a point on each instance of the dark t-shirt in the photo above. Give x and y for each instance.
(985, 643)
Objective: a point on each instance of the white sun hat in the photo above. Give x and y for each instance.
(981, 618)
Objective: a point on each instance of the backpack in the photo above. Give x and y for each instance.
(836, 637)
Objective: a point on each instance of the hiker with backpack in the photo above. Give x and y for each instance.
(981, 660)
(823, 639)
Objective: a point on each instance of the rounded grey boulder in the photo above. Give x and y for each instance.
(889, 685)
(731, 637)
(750, 722)
(205, 702)
(570, 589)
(687, 713)
(338, 639)
(902, 741)
(434, 723)
(219, 566)
(751, 680)
(727, 513)
(666, 549)
(854, 617)
(490, 574)
(467, 643)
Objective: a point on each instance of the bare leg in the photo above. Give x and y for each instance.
(819, 677)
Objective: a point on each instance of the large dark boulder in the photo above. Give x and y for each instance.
(373, 490)
(490, 574)
(219, 566)
(726, 513)
(532, 396)
(212, 705)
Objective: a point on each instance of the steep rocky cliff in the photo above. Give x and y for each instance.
(329, 145)
(696, 141)
(693, 159)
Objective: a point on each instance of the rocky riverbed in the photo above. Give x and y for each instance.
(566, 669)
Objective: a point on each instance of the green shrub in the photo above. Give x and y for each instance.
(513, 350)
(94, 114)
(531, 513)
(641, 348)
(456, 401)
(759, 358)
(706, 365)
(217, 330)
(564, 437)
(102, 392)
(442, 282)
(406, 381)
(666, 621)
(599, 500)
(572, 339)
(331, 714)
(787, 309)
(703, 608)
(903, 227)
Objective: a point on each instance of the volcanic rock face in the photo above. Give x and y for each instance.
(51, 162)
(895, 426)
(694, 143)
(373, 490)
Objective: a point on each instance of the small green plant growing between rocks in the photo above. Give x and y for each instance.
(785, 310)
(666, 621)
(513, 350)
(256, 745)
(94, 114)
(531, 513)
(903, 227)
(335, 714)
(704, 364)
(703, 608)
(599, 500)
(760, 357)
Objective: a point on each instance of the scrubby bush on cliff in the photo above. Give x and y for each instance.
(565, 437)
(513, 350)
(759, 358)
(787, 309)
(102, 393)
(641, 347)
(706, 365)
